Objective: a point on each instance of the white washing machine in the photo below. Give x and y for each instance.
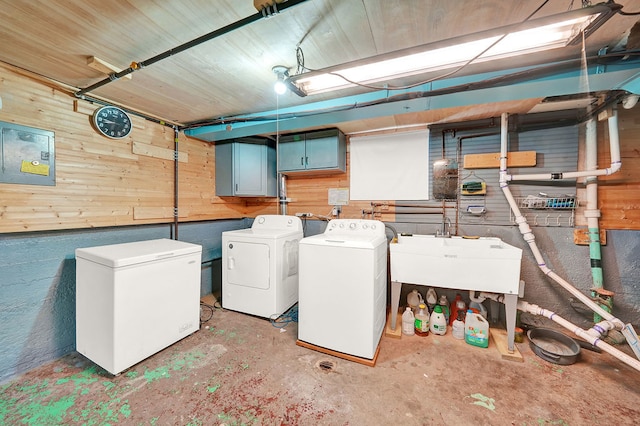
(260, 266)
(343, 287)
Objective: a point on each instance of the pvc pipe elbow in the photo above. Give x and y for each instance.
(472, 296)
(614, 167)
(493, 296)
(602, 328)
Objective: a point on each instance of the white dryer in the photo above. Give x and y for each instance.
(260, 266)
(343, 287)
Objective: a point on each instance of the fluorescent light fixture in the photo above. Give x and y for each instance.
(531, 36)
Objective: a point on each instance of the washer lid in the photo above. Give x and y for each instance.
(117, 255)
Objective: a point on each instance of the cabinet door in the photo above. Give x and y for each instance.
(322, 150)
(291, 153)
(250, 174)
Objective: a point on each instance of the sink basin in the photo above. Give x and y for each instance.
(482, 264)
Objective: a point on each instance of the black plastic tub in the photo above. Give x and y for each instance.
(553, 346)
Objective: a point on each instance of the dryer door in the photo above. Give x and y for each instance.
(247, 264)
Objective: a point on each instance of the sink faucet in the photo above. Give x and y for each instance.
(446, 228)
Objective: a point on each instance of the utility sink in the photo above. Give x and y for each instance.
(463, 263)
(481, 263)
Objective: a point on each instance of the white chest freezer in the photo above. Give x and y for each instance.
(135, 299)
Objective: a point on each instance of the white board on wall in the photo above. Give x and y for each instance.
(390, 166)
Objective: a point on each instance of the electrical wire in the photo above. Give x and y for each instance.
(285, 319)
(206, 307)
(300, 54)
(628, 13)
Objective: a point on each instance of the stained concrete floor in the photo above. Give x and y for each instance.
(241, 370)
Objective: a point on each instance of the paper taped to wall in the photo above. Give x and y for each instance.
(35, 168)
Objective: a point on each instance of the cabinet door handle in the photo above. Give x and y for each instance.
(302, 161)
(306, 161)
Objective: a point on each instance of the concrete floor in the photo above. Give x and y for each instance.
(241, 370)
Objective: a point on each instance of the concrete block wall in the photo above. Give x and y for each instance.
(37, 279)
(37, 284)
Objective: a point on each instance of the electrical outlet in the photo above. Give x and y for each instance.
(304, 214)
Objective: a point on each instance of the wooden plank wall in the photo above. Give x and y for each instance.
(102, 182)
(619, 193)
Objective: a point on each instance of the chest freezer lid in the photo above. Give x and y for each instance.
(117, 255)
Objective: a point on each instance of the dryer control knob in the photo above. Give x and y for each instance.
(352, 225)
(365, 226)
(261, 220)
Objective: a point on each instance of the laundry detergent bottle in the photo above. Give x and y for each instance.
(476, 329)
(437, 322)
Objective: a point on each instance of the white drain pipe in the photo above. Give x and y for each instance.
(610, 322)
(592, 335)
(525, 230)
(592, 214)
(614, 147)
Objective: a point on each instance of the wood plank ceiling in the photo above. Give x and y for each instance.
(232, 74)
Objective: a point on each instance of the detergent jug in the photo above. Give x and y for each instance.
(476, 329)
(437, 322)
(414, 299)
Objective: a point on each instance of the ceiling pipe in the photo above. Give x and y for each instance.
(550, 80)
(262, 13)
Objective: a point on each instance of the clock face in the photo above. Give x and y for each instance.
(112, 122)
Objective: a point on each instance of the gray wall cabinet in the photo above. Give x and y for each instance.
(246, 168)
(323, 150)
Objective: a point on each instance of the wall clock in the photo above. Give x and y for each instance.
(112, 122)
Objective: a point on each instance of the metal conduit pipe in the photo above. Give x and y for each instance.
(188, 45)
(175, 183)
(592, 335)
